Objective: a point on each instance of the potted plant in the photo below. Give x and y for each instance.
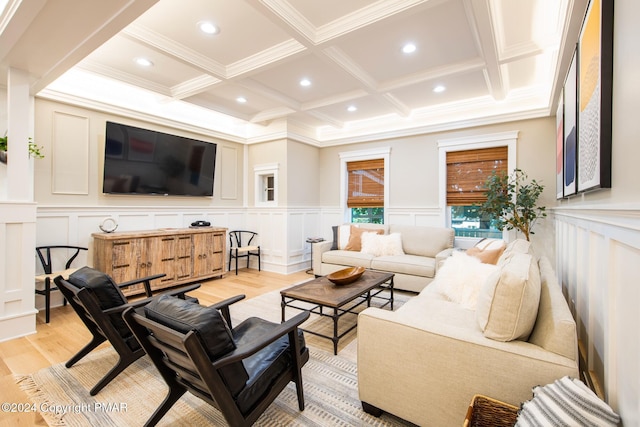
(512, 201)
(34, 150)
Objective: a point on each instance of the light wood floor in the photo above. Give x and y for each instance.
(57, 341)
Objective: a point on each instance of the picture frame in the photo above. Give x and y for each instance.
(570, 128)
(595, 78)
(560, 147)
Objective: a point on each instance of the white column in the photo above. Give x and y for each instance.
(18, 217)
(19, 173)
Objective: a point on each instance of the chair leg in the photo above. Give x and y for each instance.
(114, 372)
(95, 341)
(47, 299)
(259, 265)
(171, 398)
(236, 262)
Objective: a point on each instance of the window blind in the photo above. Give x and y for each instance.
(366, 184)
(468, 170)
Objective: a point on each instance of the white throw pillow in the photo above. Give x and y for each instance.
(381, 244)
(508, 303)
(371, 244)
(461, 278)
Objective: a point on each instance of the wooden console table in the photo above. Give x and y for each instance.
(184, 254)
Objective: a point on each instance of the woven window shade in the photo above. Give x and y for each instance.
(468, 170)
(366, 184)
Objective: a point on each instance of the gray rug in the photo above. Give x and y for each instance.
(330, 388)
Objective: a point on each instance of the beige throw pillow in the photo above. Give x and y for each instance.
(355, 238)
(508, 303)
(381, 245)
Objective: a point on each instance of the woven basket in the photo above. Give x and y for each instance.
(487, 412)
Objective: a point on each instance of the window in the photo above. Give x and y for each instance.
(365, 195)
(266, 190)
(365, 185)
(466, 167)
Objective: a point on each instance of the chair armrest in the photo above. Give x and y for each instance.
(146, 282)
(223, 306)
(245, 351)
(317, 249)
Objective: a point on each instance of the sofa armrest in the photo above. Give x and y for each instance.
(427, 372)
(317, 249)
(442, 256)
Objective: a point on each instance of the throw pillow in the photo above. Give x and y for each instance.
(487, 252)
(461, 278)
(355, 238)
(381, 244)
(567, 402)
(508, 302)
(343, 234)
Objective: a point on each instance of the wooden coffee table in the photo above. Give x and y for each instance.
(340, 300)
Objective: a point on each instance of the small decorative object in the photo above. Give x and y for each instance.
(108, 225)
(511, 201)
(346, 276)
(34, 150)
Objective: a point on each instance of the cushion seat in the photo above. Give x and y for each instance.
(347, 258)
(266, 365)
(413, 265)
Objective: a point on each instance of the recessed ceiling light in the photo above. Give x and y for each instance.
(352, 108)
(241, 99)
(208, 27)
(439, 89)
(144, 62)
(409, 48)
(305, 82)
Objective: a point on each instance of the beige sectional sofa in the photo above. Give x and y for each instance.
(414, 264)
(425, 361)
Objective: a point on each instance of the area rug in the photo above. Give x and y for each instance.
(330, 388)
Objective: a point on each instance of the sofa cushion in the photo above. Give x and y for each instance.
(405, 264)
(488, 251)
(520, 246)
(461, 278)
(423, 240)
(508, 302)
(555, 328)
(347, 258)
(381, 245)
(355, 237)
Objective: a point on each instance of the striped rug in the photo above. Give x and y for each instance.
(330, 388)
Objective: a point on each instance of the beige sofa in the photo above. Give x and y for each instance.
(423, 250)
(426, 361)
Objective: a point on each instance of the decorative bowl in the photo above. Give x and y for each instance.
(346, 276)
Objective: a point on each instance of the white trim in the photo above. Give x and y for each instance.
(501, 139)
(357, 155)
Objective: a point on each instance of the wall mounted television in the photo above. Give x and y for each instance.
(141, 161)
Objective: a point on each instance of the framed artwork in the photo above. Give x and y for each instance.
(570, 121)
(595, 72)
(560, 148)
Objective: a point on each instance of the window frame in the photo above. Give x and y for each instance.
(508, 139)
(262, 173)
(358, 155)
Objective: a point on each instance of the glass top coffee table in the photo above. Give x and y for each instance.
(339, 300)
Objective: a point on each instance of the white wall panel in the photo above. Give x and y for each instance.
(70, 156)
(598, 253)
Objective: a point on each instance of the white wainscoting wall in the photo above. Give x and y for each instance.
(598, 264)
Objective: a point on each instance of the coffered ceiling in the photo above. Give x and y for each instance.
(493, 60)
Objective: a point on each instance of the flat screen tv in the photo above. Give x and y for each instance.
(140, 161)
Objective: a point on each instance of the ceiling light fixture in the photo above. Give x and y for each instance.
(144, 62)
(352, 108)
(241, 99)
(409, 48)
(439, 89)
(208, 28)
(305, 82)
